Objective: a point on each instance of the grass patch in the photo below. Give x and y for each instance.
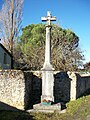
(76, 110)
(79, 108)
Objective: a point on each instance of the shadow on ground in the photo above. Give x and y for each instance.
(12, 113)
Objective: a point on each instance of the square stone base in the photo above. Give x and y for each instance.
(47, 108)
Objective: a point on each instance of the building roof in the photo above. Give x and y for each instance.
(6, 50)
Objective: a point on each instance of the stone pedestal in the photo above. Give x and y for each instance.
(47, 108)
(47, 85)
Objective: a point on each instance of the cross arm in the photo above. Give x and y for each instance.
(53, 19)
(44, 19)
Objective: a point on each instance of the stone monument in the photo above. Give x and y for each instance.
(47, 97)
(47, 70)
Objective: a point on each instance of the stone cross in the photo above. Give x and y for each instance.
(48, 19)
(47, 70)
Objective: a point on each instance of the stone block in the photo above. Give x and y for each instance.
(47, 108)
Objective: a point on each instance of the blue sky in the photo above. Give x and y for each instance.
(71, 14)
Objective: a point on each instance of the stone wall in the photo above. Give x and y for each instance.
(83, 84)
(22, 90)
(61, 87)
(80, 83)
(15, 88)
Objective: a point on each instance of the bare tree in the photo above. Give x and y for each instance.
(10, 22)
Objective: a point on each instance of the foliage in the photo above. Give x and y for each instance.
(64, 45)
(31, 47)
(10, 22)
(66, 53)
(87, 66)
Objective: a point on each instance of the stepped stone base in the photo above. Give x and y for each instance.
(47, 108)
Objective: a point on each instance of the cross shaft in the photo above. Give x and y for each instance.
(48, 19)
